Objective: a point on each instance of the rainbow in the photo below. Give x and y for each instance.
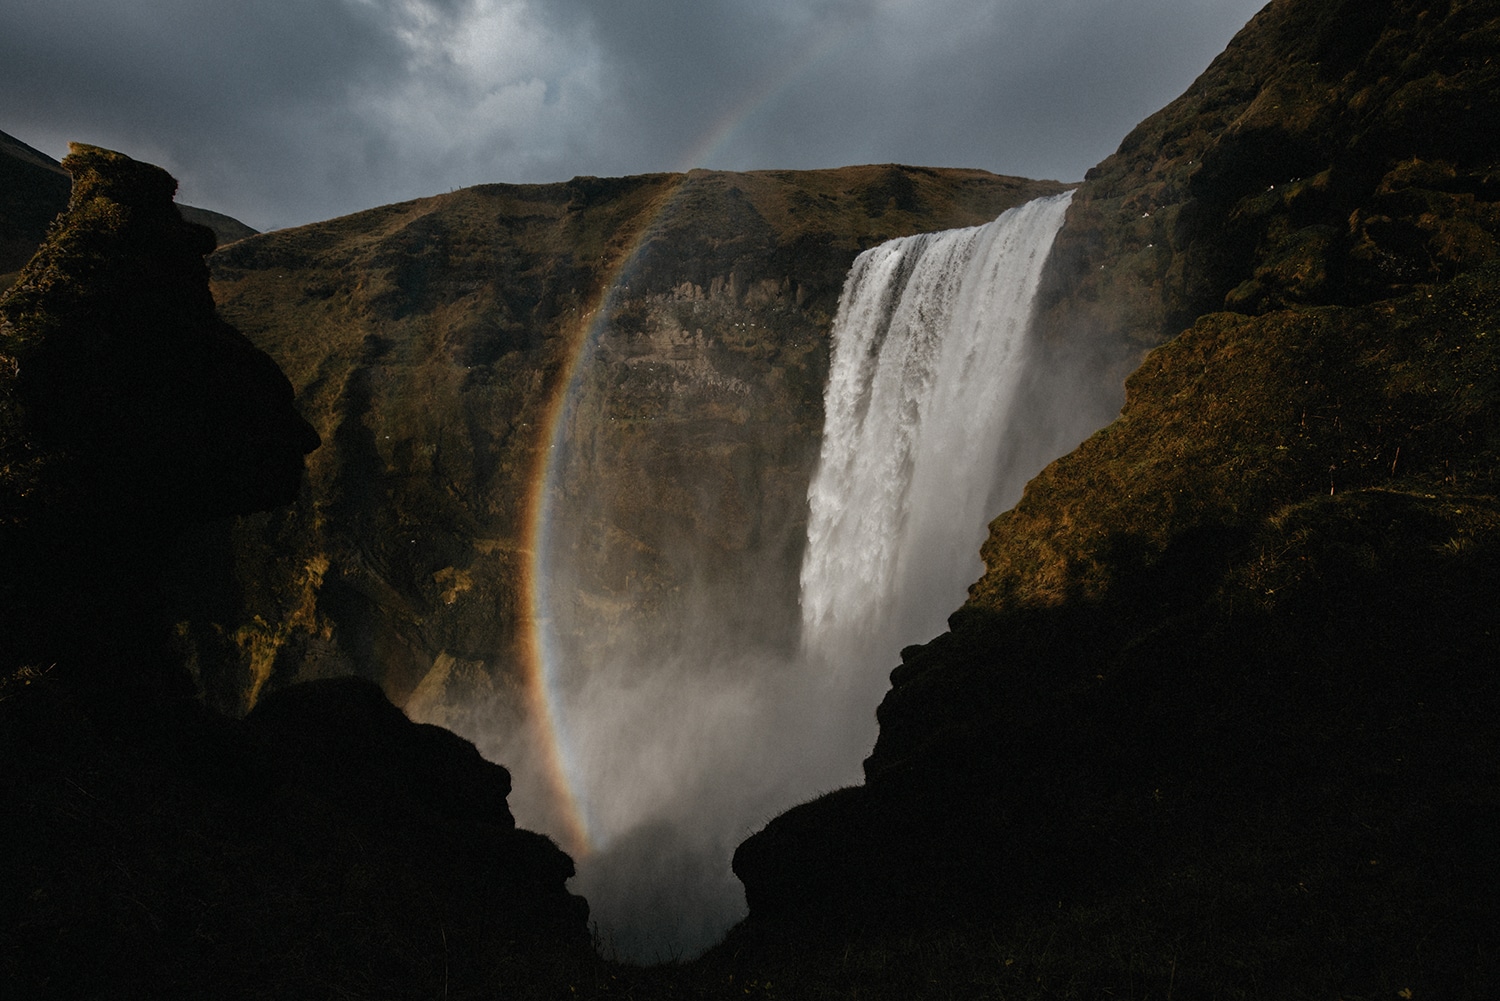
(538, 646)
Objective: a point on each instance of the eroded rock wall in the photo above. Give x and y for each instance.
(428, 343)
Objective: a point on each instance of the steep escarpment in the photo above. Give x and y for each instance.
(1226, 680)
(429, 343)
(1333, 154)
(152, 847)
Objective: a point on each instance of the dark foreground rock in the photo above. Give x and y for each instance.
(128, 410)
(149, 846)
(153, 848)
(1219, 719)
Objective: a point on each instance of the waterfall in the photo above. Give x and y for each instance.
(685, 748)
(929, 347)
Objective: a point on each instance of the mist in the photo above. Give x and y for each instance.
(685, 720)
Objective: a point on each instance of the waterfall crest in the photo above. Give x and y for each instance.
(929, 346)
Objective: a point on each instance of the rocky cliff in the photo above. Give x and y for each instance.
(1219, 717)
(429, 343)
(34, 190)
(152, 847)
(128, 408)
(1218, 720)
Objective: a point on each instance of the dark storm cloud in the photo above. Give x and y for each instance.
(283, 111)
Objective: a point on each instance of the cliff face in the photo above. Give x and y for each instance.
(1230, 656)
(428, 342)
(152, 847)
(1333, 154)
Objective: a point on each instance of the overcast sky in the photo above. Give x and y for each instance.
(281, 112)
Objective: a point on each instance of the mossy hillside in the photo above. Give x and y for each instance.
(1332, 154)
(1238, 416)
(428, 339)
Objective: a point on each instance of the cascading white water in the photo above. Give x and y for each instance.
(928, 349)
(684, 751)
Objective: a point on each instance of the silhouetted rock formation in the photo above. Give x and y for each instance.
(345, 740)
(1226, 681)
(342, 741)
(151, 847)
(34, 191)
(128, 408)
(125, 372)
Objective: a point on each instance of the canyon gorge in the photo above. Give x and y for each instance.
(1215, 714)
